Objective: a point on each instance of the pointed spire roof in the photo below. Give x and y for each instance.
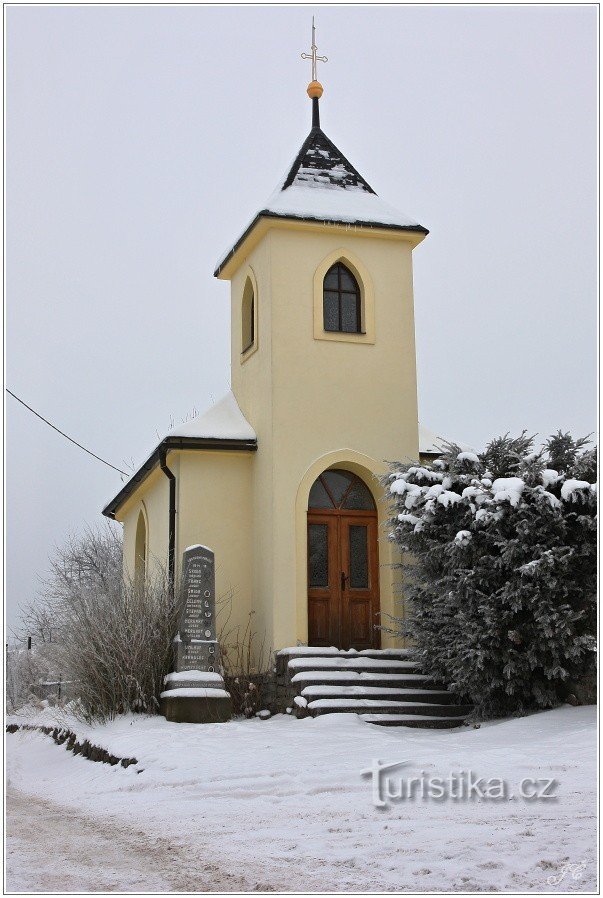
(320, 164)
(322, 185)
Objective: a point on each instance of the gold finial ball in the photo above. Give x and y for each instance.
(315, 90)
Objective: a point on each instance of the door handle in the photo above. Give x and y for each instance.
(343, 579)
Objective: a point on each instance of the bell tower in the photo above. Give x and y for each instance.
(322, 355)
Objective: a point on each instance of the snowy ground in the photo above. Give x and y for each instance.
(281, 805)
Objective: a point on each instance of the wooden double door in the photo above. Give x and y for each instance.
(343, 563)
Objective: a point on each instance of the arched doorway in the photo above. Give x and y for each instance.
(343, 563)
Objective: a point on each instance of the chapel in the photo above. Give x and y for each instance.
(280, 478)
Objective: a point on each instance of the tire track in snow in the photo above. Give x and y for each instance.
(49, 848)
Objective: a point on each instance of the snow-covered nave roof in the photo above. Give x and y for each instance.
(222, 421)
(224, 426)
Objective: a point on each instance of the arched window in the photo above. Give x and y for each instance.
(341, 301)
(247, 317)
(140, 550)
(340, 489)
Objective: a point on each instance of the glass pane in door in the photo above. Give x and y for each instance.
(359, 573)
(337, 483)
(318, 556)
(359, 496)
(319, 498)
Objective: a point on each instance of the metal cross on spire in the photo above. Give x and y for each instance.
(313, 55)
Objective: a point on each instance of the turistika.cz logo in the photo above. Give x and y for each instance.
(458, 785)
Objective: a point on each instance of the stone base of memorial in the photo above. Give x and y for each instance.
(195, 696)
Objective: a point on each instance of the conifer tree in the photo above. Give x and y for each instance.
(500, 569)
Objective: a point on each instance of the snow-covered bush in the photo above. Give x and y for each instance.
(500, 569)
(26, 670)
(111, 636)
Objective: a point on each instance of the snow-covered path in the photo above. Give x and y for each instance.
(281, 805)
(51, 850)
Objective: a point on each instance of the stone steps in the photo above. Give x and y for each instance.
(303, 651)
(362, 678)
(384, 687)
(388, 693)
(384, 706)
(410, 720)
(354, 664)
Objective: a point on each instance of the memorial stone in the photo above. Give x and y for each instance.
(197, 647)
(195, 692)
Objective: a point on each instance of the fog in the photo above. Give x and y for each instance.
(139, 142)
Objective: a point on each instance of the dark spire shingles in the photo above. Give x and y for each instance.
(320, 164)
(341, 194)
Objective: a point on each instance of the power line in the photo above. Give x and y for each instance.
(67, 437)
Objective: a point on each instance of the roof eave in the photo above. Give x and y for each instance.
(222, 273)
(167, 445)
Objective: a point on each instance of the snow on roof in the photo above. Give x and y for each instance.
(430, 441)
(322, 185)
(223, 421)
(320, 202)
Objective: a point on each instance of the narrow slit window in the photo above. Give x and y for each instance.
(342, 309)
(140, 550)
(247, 317)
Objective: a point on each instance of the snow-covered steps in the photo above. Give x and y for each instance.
(312, 693)
(299, 651)
(385, 687)
(308, 658)
(386, 706)
(361, 678)
(355, 663)
(412, 720)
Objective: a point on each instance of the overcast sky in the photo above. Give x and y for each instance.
(140, 140)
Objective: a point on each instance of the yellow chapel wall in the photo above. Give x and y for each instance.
(214, 505)
(251, 380)
(336, 403)
(213, 508)
(152, 498)
(317, 403)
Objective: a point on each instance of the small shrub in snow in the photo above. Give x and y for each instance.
(247, 665)
(111, 637)
(501, 569)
